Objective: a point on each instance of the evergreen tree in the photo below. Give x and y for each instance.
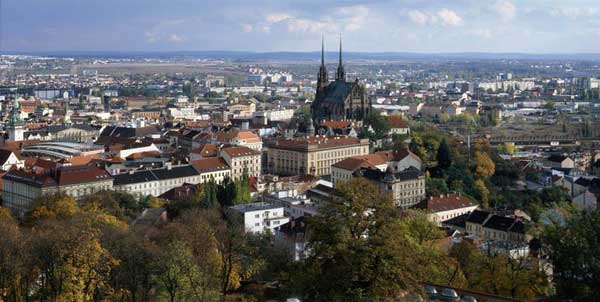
(444, 155)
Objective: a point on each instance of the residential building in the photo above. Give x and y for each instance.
(242, 160)
(560, 161)
(444, 207)
(398, 125)
(312, 155)
(400, 160)
(407, 187)
(344, 170)
(9, 159)
(21, 188)
(260, 217)
(156, 182)
(492, 227)
(214, 168)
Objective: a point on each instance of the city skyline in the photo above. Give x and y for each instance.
(501, 26)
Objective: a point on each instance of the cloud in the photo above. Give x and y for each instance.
(345, 18)
(449, 17)
(444, 17)
(175, 38)
(418, 17)
(574, 12)
(505, 9)
(165, 31)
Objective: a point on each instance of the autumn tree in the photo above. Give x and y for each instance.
(482, 193)
(484, 166)
(358, 253)
(70, 262)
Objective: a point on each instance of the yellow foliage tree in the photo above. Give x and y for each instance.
(58, 206)
(484, 165)
(484, 193)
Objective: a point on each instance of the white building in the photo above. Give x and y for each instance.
(260, 217)
(447, 206)
(156, 182)
(9, 159)
(214, 168)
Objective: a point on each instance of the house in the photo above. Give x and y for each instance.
(398, 125)
(8, 160)
(586, 201)
(492, 227)
(247, 139)
(443, 207)
(560, 161)
(260, 217)
(400, 160)
(345, 169)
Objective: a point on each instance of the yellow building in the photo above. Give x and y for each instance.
(312, 155)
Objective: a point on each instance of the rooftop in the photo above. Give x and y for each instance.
(257, 206)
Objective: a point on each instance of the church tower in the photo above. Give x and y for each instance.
(340, 75)
(323, 78)
(67, 119)
(15, 127)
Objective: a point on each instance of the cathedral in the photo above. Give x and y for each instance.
(338, 100)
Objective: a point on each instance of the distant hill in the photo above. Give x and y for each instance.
(311, 56)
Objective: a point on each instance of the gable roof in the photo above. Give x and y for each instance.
(362, 161)
(240, 151)
(446, 202)
(478, 216)
(212, 164)
(499, 223)
(397, 122)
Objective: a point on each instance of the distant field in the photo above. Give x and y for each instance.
(152, 68)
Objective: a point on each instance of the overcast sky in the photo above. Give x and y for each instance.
(536, 26)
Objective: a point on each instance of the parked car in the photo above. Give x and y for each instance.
(449, 294)
(430, 290)
(468, 299)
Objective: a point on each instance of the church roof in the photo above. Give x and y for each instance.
(337, 92)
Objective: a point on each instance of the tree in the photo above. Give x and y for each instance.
(484, 166)
(70, 263)
(444, 155)
(499, 274)
(176, 267)
(379, 123)
(357, 253)
(483, 193)
(573, 248)
(58, 206)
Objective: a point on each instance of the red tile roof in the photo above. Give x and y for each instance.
(445, 202)
(364, 161)
(208, 150)
(397, 155)
(337, 124)
(240, 151)
(206, 165)
(81, 174)
(320, 142)
(397, 122)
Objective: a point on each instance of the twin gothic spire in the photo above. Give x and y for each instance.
(340, 74)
